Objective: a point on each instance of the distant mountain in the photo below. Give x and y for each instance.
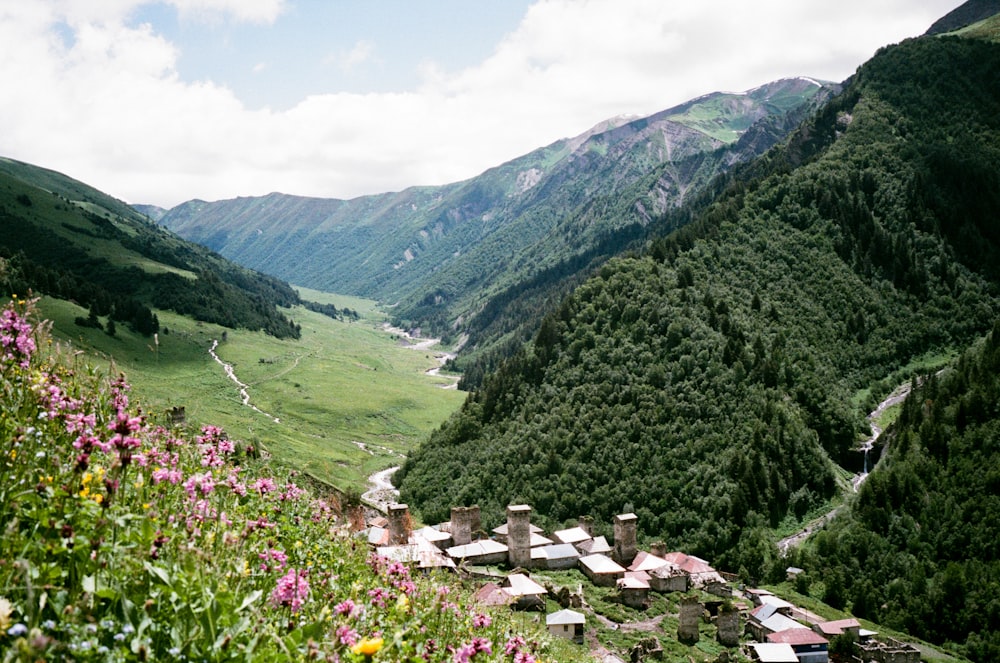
(65, 239)
(441, 253)
(715, 384)
(966, 14)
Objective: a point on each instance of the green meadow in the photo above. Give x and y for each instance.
(349, 398)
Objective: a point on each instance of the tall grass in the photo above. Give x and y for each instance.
(125, 540)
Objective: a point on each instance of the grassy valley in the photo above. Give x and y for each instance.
(349, 397)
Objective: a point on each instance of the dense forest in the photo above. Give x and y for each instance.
(120, 266)
(920, 549)
(709, 383)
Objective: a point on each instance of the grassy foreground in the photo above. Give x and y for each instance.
(348, 396)
(125, 540)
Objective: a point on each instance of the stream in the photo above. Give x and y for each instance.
(244, 394)
(897, 396)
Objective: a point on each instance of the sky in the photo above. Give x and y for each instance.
(167, 101)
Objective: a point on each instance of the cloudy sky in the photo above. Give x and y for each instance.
(162, 102)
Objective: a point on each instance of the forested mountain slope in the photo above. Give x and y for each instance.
(62, 238)
(920, 549)
(441, 253)
(708, 384)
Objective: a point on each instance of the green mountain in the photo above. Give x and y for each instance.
(972, 11)
(440, 254)
(65, 239)
(714, 385)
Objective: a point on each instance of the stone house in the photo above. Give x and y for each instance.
(567, 624)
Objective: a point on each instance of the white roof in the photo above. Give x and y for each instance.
(572, 535)
(778, 622)
(537, 540)
(477, 549)
(559, 551)
(602, 564)
(778, 603)
(566, 616)
(519, 584)
(432, 534)
(775, 652)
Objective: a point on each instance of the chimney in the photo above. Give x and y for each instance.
(399, 524)
(519, 535)
(625, 526)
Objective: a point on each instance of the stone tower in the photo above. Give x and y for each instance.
(625, 526)
(464, 521)
(519, 535)
(399, 524)
(687, 625)
(728, 625)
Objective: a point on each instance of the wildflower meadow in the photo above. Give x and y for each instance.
(122, 539)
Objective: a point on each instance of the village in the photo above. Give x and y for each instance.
(749, 623)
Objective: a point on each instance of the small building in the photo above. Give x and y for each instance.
(527, 593)
(485, 551)
(780, 605)
(700, 571)
(850, 626)
(809, 646)
(567, 624)
(419, 553)
(493, 594)
(633, 592)
(766, 619)
(793, 572)
(596, 546)
(601, 570)
(669, 579)
(557, 556)
(770, 652)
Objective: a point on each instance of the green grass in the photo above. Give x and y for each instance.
(341, 384)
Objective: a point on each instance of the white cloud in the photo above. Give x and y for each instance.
(111, 109)
(347, 61)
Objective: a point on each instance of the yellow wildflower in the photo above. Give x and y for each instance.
(5, 609)
(368, 646)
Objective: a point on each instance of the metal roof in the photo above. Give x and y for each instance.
(566, 616)
(519, 584)
(572, 535)
(774, 652)
(477, 549)
(602, 564)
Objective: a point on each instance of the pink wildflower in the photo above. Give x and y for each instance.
(347, 635)
(291, 591)
(480, 620)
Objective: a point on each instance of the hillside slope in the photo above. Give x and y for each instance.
(65, 239)
(708, 384)
(441, 252)
(921, 541)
